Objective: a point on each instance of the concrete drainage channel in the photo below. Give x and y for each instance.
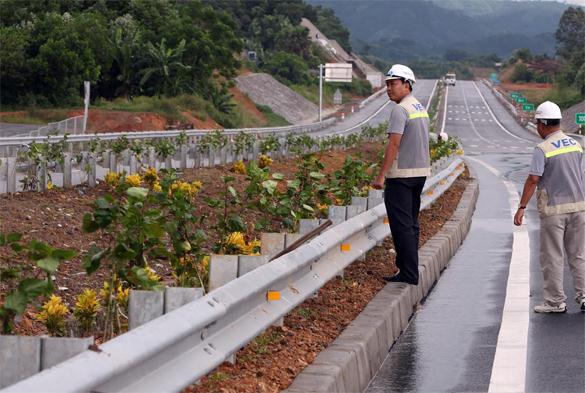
(352, 360)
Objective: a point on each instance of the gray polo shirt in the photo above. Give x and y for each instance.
(410, 119)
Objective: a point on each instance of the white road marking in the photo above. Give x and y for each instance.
(494, 116)
(509, 367)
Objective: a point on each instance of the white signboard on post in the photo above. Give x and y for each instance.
(86, 88)
(338, 72)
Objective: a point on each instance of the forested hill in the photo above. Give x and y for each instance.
(163, 48)
(416, 28)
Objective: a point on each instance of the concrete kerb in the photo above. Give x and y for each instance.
(386, 316)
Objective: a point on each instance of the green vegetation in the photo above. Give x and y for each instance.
(273, 119)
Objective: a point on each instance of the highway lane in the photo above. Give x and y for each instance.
(455, 342)
(10, 129)
(422, 91)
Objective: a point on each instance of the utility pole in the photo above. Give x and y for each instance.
(320, 90)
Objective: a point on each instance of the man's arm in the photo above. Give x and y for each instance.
(527, 192)
(389, 157)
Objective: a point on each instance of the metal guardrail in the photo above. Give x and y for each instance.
(179, 348)
(18, 141)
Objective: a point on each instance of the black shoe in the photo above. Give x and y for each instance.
(398, 278)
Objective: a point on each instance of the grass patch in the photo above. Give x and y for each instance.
(273, 119)
(219, 376)
(262, 342)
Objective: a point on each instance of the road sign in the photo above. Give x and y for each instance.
(528, 107)
(515, 95)
(521, 100)
(338, 72)
(494, 76)
(580, 118)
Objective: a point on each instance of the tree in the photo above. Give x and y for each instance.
(166, 63)
(126, 42)
(570, 34)
(287, 66)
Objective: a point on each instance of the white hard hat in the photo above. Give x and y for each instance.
(548, 110)
(398, 71)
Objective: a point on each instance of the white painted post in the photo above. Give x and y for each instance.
(67, 172)
(222, 269)
(184, 151)
(144, 306)
(11, 175)
(92, 173)
(169, 163)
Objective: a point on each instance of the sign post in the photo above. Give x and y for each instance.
(528, 107)
(320, 91)
(521, 100)
(334, 72)
(579, 118)
(86, 88)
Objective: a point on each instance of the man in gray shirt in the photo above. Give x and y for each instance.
(404, 170)
(557, 171)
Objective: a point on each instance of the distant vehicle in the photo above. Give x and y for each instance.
(450, 79)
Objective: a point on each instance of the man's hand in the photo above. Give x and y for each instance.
(378, 183)
(518, 217)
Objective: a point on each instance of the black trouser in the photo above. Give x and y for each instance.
(402, 199)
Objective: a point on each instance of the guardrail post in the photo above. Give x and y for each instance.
(306, 225)
(55, 350)
(133, 163)
(169, 163)
(184, 151)
(271, 243)
(144, 306)
(375, 197)
(359, 201)
(91, 171)
(112, 162)
(222, 269)
(223, 155)
(337, 214)
(247, 263)
(211, 156)
(196, 158)
(11, 175)
(353, 211)
(151, 157)
(42, 177)
(20, 357)
(176, 297)
(67, 171)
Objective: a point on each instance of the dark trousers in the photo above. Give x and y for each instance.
(402, 200)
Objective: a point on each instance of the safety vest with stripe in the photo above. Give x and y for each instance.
(561, 186)
(413, 158)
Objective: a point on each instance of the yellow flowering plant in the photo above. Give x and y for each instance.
(133, 180)
(264, 161)
(239, 167)
(86, 310)
(54, 315)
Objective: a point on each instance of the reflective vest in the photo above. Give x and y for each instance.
(413, 158)
(561, 186)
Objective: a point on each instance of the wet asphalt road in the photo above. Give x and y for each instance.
(451, 341)
(422, 89)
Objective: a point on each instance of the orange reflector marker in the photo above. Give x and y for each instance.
(442, 182)
(386, 220)
(273, 295)
(345, 247)
(430, 192)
